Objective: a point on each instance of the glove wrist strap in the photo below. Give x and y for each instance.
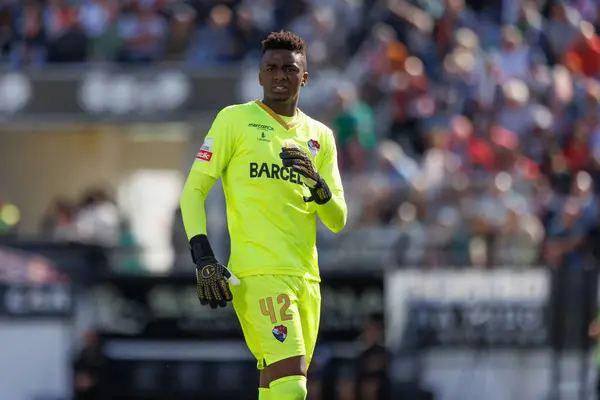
(200, 247)
(321, 193)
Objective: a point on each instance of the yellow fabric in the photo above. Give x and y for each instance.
(288, 119)
(260, 304)
(272, 229)
(333, 214)
(289, 388)
(264, 394)
(194, 194)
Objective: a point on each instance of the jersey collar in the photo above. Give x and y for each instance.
(294, 123)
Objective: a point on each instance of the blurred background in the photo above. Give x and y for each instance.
(469, 144)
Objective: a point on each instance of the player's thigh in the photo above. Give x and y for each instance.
(310, 315)
(240, 305)
(267, 306)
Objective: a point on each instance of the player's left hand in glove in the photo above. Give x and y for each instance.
(301, 163)
(212, 284)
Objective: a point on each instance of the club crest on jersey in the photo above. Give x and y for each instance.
(314, 147)
(280, 332)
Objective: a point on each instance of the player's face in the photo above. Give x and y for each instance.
(282, 73)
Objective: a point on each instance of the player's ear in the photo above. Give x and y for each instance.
(260, 81)
(304, 78)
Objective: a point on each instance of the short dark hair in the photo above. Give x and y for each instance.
(283, 40)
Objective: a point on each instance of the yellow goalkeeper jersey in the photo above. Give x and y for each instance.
(272, 228)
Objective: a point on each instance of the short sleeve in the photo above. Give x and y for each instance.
(218, 147)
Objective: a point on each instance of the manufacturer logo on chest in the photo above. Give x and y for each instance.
(263, 138)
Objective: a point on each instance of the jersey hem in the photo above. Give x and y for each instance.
(289, 272)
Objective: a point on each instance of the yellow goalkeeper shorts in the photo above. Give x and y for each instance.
(279, 315)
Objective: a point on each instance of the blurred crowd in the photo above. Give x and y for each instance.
(201, 33)
(468, 131)
(473, 136)
(95, 219)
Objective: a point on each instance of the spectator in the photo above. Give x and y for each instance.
(58, 18)
(317, 374)
(516, 114)
(143, 33)
(213, 43)
(583, 56)
(410, 249)
(561, 29)
(354, 128)
(564, 233)
(346, 386)
(128, 258)
(181, 27)
(438, 162)
(577, 150)
(247, 34)
(491, 215)
(7, 32)
(87, 367)
(519, 239)
(412, 101)
(455, 16)
(512, 61)
(66, 41)
(30, 37)
(99, 21)
(285, 12)
(530, 24)
(96, 16)
(59, 222)
(537, 143)
(98, 220)
(324, 37)
(568, 227)
(372, 377)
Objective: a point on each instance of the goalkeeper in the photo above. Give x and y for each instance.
(279, 171)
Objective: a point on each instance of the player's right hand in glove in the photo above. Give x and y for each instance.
(212, 284)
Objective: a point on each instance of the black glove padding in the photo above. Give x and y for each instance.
(301, 163)
(211, 282)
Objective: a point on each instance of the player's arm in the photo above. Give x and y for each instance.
(193, 196)
(325, 184)
(211, 161)
(333, 213)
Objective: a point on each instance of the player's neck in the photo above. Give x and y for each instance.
(283, 109)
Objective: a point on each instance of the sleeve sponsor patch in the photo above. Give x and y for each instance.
(205, 153)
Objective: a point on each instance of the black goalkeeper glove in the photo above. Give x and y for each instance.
(301, 163)
(211, 277)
